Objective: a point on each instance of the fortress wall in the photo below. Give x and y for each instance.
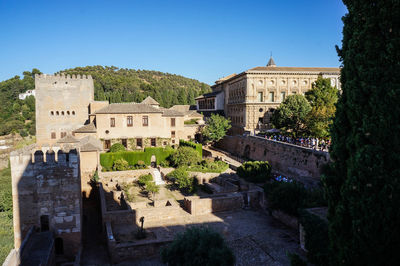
(47, 185)
(285, 158)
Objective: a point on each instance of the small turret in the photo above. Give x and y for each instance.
(271, 62)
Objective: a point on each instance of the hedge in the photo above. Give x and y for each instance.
(197, 146)
(257, 171)
(132, 157)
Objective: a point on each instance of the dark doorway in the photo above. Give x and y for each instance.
(59, 246)
(44, 223)
(125, 143)
(246, 153)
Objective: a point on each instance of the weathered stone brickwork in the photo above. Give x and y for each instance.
(46, 192)
(286, 158)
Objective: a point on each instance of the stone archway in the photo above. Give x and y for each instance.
(153, 161)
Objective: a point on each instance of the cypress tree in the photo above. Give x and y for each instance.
(363, 182)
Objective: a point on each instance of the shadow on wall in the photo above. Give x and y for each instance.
(47, 197)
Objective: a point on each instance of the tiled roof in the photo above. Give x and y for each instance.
(209, 95)
(68, 139)
(297, 69)
(90, 143)
(183, 108)
(169, 112)
(150, 101)
(89, 128)
(128, 108)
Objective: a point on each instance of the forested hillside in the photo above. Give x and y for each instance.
(110, 83)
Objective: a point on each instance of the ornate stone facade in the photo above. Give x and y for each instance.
(253, 95)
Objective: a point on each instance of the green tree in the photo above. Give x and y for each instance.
(216, 128)
(152, 188)
(291, 114)
(117, 147)
(185, 156)
(363, 180)
(322, 98)
(198, 246)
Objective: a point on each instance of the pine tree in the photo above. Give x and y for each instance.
(363, 182)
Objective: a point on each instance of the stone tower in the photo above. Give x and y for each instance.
(62, 105)
(46, 189)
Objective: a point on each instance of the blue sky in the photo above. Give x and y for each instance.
(204, 39)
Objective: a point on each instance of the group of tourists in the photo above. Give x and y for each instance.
(313, 143)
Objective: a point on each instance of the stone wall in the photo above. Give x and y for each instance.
(196, 205)
(131, 251)
(46, 194)
(62, 104)
(288, 159)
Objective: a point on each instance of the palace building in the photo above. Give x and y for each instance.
(248, 99)
(65, 106)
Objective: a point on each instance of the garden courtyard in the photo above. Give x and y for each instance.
(147, 200)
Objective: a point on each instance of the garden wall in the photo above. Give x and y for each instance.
(286, 158)
(196, 205)
(130, 251)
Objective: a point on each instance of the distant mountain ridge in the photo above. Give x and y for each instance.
(110, 83)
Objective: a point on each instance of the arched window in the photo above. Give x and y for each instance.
(73, 112)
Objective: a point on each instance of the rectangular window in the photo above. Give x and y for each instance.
(107, 144)
(172, 122)
(112, 122)
(124, 142)
(145, 121)
(189, 137)
(294, 92)
(129, 121)
(63, 134)
(172, 134)
(139, 143)
(260, 97)
(53, 135)
(173, 141)
(283, 96)
(271, 97)
(153, 142)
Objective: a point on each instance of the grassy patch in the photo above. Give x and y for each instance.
(25, 142)
(6, 223)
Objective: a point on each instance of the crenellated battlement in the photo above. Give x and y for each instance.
(56, 154)
(62, 76)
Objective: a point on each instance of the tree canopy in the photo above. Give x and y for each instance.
(291, 114)
(198, 246)
(216, 128)
(363, 180)
(322, 98)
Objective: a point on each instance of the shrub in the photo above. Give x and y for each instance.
(316, 238)
(144, 179)
(208, 166)
(257, 171)
(197, 146)
(295, 260)
(292, 196)
(181, 178)
(152, 188)
(117, 147)
(120, 165)
(198, 246)
(185, 156)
